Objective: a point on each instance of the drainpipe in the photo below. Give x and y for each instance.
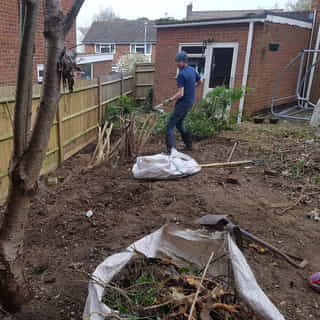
(314, 61)
(246, 68)
(145, 37)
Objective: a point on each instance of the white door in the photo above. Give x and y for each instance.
(221, 64)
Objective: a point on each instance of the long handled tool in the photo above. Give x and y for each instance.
(221, 222)
(232, 164)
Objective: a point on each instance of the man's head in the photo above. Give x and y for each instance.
(181, 59)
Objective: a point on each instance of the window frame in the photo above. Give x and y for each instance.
(140, 45)
(194, 55)
(109, 45)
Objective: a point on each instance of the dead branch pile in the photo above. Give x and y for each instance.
(152, 288)
(133, 137)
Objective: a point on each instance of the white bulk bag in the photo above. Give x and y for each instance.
(184, 244)
(162, 166)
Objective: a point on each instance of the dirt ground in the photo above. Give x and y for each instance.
(271, 201)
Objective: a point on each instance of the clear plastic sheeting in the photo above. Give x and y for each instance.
(184, 245)
(162, 166)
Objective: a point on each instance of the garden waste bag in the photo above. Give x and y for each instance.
(185, 245)
(162, 166)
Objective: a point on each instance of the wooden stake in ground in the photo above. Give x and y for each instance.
(190, 317)
(232, 151)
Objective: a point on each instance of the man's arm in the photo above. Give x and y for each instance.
(180, 85)
(198, 80)
(178, 95)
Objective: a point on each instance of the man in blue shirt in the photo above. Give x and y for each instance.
(187, 81)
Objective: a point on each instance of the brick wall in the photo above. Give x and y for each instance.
(10, 41)
(102, 69)
(264, 68)
(266, 65)
(168, 41)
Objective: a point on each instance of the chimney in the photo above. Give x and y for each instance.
(189, 11)
(315, 4)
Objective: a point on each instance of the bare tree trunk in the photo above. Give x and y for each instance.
(28, 155)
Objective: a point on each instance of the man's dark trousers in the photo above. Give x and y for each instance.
(176, 120)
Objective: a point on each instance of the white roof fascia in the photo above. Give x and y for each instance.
(93, 58)
(206, 23)
(292, 22)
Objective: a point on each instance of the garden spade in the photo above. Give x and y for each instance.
(221, 222)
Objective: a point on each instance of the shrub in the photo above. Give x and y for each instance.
(149, 98)
(210, 116)
(200, 125)
(127, 63)
(217, 102)
(125, 105)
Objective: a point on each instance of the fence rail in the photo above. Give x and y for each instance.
(74, 127)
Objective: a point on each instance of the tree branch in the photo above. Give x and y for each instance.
(24, 82)
(72, 15)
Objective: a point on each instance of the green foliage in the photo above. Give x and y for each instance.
(127, 62)
(210, 116)
(298, 169)
(200, 125)
(149, 98)
(217, 101)
(124, 106)
(162, 121)
(316, 180)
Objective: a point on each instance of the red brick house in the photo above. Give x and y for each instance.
(235, 48)
(10, 33)
(121, 37)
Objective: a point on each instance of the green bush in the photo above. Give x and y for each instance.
(149, 98)
(200, 125)
(125, 105)
(217, 101)
(210, 116)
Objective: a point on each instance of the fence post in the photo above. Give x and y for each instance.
(60, 133)
(100, 111)
(121, 85)
(135, 81)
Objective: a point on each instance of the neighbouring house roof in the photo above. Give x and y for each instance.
(121, 32)
(225, 14)
(299, 18)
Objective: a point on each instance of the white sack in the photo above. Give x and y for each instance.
(162, 166)
(185, 245)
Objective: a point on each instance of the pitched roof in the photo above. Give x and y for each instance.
(120, 31)
(227, 14)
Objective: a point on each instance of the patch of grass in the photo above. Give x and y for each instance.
(142, 292)
(298, 169)
(300, 133)
(316, 180)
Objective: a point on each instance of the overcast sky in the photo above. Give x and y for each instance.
(132, 9)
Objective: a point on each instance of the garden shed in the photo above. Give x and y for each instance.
(235, 49)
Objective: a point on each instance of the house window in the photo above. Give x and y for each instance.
(196, 54)
(40, 72)
(86, 71)
(141, 48)
(106, 48)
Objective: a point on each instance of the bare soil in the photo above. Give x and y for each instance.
(271, 201)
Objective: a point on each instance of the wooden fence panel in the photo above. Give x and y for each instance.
(75, 125)
(144, 75)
